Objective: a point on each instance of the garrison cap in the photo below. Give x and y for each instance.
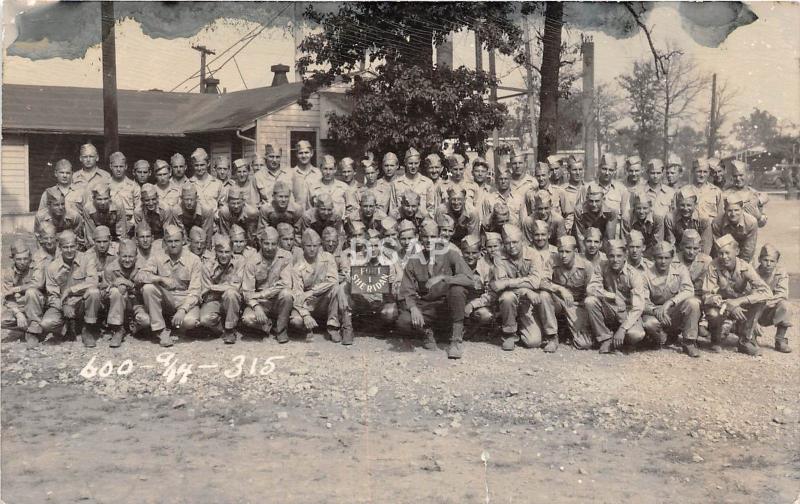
(160, 164)
(734, 198)
(116, 156)
(269, 149)
(177, 157)
(323, 199)
(541, 198)
(738, 167)
(236, 230)
(101, 187)
(66, 235)
(553, 160)
(280, 187)
(101, 232)
(149, 190)
(691, 237)
(127, 245)
(674, 160)
(221, 241)
(64, 163)
(699, 162)
(328, 161)
(284, 229)
(368, 195)
(267, 233)
(429, 227)
(663, 247)
(500, 208)
(714, 163)
(567, 242)
(470, 242)
(303, 144)
(19, 246)
(493, 238)
(616, 245)
(406, 225)
(608, 159)
(310, 237)
(444, 220)
(511, 231)
(433, 159)
(197, 233)
(594, 188)
(172, 230)
(632, 161)
(189, 190)
(542, 167)
(454, 160)
(346, 161)
(388, 224)
(142, 162)
(479, 161)
(686, 192)
(769, 250)
(352, 227)
(725, 241)
(409, 197)
(373, 234)
(330, 232)
(641, 198)
(540, 225)
(389, 156)
(453, 191)
(655, 163)
(235, 191)
(635, 238)
(239, 162)
(593, 232)
(411, 153)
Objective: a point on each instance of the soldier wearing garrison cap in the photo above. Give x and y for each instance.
(673, 173)
(615, 301)
(636, 246)
(633, 174)
(280, 209)
(264, 180)
(221, 291)
(89, 172)
(480, 299)
(101, 211)
(733, 290)
(321, 216)
(199, 243)
(645, 220)
(436, 193)
(61, 217)
(777, 309)
(542, 172)
(124, 192)
(103, 249)
(615, 194)
(593, 243)
(190, 213)
(717, 175)
(410, 209)
(458, 182)
(168, 191)
(692, 256)
(466, 219)
(237, 211)
(153, 212)
(737, 223)
(594, 214)
(142, 173)
(709, 196)
(505, 195)
(521, 181)
(121, 293)
(686, 217)
(671, 306)
(557, 170)
(304, 173)
(209, 189)
(74, 195)
(242, 179)
(23, 301)
(367, 212)
(484, 190)
(754, 201)
(661, 194)
(539, 205)
(172, 285)
(412, 180)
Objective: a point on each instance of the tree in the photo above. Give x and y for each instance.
(757, 129)
(687, 143)
(547, 136)
(606, 113)
(394, 110)
(722, 103)
(678, 88)
(642, 93)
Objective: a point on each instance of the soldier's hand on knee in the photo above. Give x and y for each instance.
(22, 321)
(68, 311)
(309, 322)
(619, 337)
(468, 309)
(260, 314)
(177, 319)
(737, 313)
(417, 320)
(566, 295)
(662, 315)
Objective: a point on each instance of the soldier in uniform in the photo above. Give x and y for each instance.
(777, 310)
(662, 195)
(124, 192)
(465, 218)
(571, 190)
(409, 209)
(101, 252)
(539, 207)
(177, 165)
(633, 174)
(144, 243)
(671, 305)
(615, 195)
(237, 212)
(190, 213)
(412, 181)
(434, 291)
(377, 186)
(692, 256)
(280, 208)
(198, 244)
(673, 172)
(521, 181)
(22, 297)
(142, 172)
(367, 212)
(71, 284)
(315, 287)
(436, 193)
(266, 285)
(644, 219)
(389, 167)
(338, 191)
(754, 201)
(209, 189)
(265, 180)
(717, 173)
(571, 274)
(480, 299)
(483, 187)
(733, 290)
(686, 217)
(242, 180)
(73, 194)
(153, 213)
(499, 217)
(321, 216)
(615, 301)
(505, 195)
(739, 224)
(168, 191)
(120, 293)
(221, 291)
(543, 177)
(636, 249)
(101, 211)
(61, 217)
(593, 214)
(89, 172)
(171, 284)
(593, 247)
(709, 196)
(558, 173)
(304, 174)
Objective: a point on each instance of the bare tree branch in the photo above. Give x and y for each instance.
(646, 30)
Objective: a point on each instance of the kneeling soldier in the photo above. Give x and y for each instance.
(616, 296)
(777, 311)
(22, 299)
(434, 289)
(481, 298)
(71, 282)
(266, 285)
(171, 283)
(671, 305)
(733, 290)
(221, 291)
(123, 299)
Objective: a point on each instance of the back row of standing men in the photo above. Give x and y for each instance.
(528, 249)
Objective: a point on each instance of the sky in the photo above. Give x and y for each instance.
(761, 60)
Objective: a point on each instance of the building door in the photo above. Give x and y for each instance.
(296, 136)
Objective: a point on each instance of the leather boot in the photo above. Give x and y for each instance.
(429, 343)
(606, 346)
(551, 344)
(347, 328)
(456, 350)
(229, 337)
(690, 348)
(89, 335)
(781, 341)
(165, 338)
(31, 340)
(509, 343)
(335, 334)
(749, 347)
(116, 337)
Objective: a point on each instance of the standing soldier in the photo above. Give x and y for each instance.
(556, 192)
(717, 173)
(593, 214)
(735, 222)
(506, 196)
(328, 184)
(436, 193)
(411, 181)
(221, 291)
(178, 168)
(22, 297)
(671, 305)
(265, 180)
(572, 189)
(73, 194)
(190, 213)
(633, 174)
(644, 220)
(315, 287)
(686, 217)
(521, 181)
(209, 189)
(89, 172)
(124, 192)
(777, 310)
(101, 211)
(243, 181)
(615, 195)
(673, 172)
(754, 201)
(615, 301)
(709, 196)
(168, 191)
(434, 291)
(733, 290)
(124, 300)
(304, 174)
(142, 172)
(483, 187)
(377, 186)
(222, 170)
(171, 284)
(59, 216)
(557, 167)
(266, 285)
(72, 293)
(662, 195)
(567, 287)
(389, 166)
(153, 213)
(347, 174)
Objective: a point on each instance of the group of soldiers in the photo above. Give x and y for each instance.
(434, 247)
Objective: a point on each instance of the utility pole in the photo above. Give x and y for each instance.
(110, 111)
(297, 36)
(529, 74)
(493, 99)
(203, 51)
(589, 133)
(712, 119)
(478, 52)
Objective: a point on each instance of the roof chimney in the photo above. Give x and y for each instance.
(212, 85)
(279, 78)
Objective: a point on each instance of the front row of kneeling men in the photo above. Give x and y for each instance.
(532, 295)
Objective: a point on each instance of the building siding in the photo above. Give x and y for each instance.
(275, 128)
(14, 179)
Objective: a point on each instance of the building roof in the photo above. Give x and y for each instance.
(63, 109)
